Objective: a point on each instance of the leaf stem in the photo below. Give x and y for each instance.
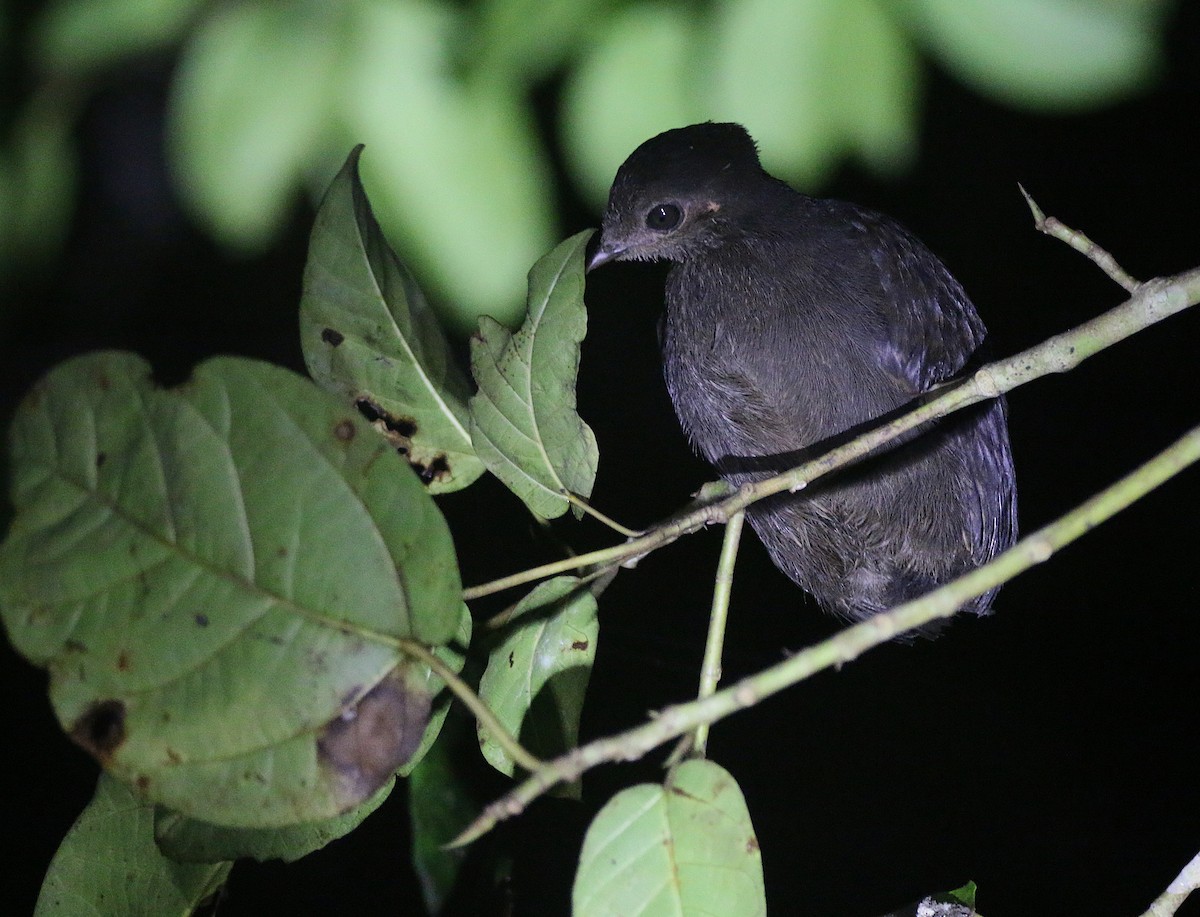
(472, 702)
(576, 500)
(848, 644)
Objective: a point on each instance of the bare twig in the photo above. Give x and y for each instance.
(1177, 892)
(1052, 227)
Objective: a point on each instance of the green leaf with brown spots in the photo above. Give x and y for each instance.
(537, 676)
(219, 579)
(523, 418)
(369, 336)
(686, 847)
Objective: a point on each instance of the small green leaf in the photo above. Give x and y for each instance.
(964, 895)
(108, 865)
(369, 335)
(1048, 54)
(686, 847)
(217, 577)
(79, 35)
(252, 96)
(523, 419)
(537, 676)
(636, 81)
(188, 840)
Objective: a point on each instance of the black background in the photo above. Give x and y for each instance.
(1047, 752)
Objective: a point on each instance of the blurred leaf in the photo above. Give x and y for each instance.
(78, 35)
(440, 804)
(875, 78)
(686, 847)
(1049, 54)
(369, 336)
(636, 81)
(507, 46)
(39, 177)
(216, 577)
(537, 677)
(108, 864)
(458, 176)
(188, 840)
(772, 68)
(523, 419)
(252, 97)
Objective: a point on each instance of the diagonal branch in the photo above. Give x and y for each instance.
(848, 644)
(1148, 303)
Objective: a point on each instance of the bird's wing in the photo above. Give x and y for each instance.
(933, 329)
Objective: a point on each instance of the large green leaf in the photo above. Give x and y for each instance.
(369, 335)
(251, 100)
(537, 676)
(523, 418)
(193, 841)
(686, 848)
(188, 840)
(109, 866)
(1044, 53)
(216, 577)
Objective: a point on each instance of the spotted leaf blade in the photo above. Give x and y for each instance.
(369, 336)
(537, 676)
(523, 419)
(215, 577)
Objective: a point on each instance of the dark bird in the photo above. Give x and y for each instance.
(794, 322)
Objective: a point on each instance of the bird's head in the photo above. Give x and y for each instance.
(677, 194)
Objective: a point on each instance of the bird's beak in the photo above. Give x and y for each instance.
(602, 253)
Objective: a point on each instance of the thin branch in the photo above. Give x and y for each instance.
(472, 702)
(848, 644)
(1149, 303)
(1052, 227)
(710, 669)
(1185, 883)
(576, 500)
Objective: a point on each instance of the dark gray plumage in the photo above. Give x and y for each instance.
(790, 322)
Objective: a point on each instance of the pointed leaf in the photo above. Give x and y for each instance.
(523, 419)
(369, 335)
(217, 577)
(108, 864)
(686, 847)
(537, 677)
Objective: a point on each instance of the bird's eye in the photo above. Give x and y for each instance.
(663, 217)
